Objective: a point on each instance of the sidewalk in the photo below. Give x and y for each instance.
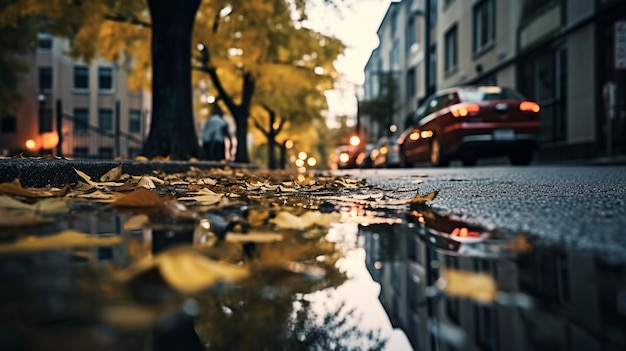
(57, 172)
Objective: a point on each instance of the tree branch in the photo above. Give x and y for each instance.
(131, 19)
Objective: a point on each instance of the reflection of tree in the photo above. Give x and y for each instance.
(275, 319)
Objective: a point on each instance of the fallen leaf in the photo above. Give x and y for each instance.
(419, 199)
(51, 206)
(146, 182)
(62, 240)
(113, 174)
(203, 196)
(87, 179)
(15, 188)
(10, 203)
(136, 222)
(287, 220)
(141, 197)
(186, 271)
(20, 219)
(254, 237)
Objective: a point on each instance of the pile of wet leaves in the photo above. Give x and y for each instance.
(121, 261)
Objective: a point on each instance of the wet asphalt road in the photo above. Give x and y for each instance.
(578, 207)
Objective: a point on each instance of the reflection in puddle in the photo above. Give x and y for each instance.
(153, 289)
(449, 285)
(547, 298)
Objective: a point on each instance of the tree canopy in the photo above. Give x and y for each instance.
(254, 54)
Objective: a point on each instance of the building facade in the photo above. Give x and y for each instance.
(74, 109)
(568, 55)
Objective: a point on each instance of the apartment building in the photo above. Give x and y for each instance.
(568, 55)
(75, 109)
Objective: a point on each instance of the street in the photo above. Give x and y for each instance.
(582, 207)
(543, 246)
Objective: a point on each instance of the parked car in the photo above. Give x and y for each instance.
(386, 153)
(469, 122)
(345, 156)
(363, 158)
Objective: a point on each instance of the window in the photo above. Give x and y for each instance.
(8, 124)
(484, 25)
(81, 77)
(45, 119)
(105, 152)
(450, 54)
(45, 79)
(105, 119)
(105, 79)
(44, 41)
(411, 88)
(394, 24)
(81, 152)
(81, 120)
(394, 55)
(134, 121)
(410, 36)
(432, 72)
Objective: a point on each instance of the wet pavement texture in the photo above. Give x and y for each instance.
(259, 272)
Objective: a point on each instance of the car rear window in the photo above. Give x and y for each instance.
(479, 94)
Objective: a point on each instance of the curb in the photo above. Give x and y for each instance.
(58, 172)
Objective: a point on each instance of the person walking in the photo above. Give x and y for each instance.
(214, 134)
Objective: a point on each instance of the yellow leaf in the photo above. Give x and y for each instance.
(52, 206)
(62, 240)
(10, 203)
(187, 271)
(419, 199)
(87, 179)
(20, 219)
(146, 182)
(204, 196)
(112, 175)
(255, 237)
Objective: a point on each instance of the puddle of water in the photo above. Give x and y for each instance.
(300, 295)
(379, 279)
(546, 298)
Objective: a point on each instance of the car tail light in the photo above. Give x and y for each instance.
(529, 106)
(464, 110)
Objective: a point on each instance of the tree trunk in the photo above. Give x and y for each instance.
(271, 142)
(241, 113)
(172, 127)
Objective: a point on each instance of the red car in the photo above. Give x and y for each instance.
(469, 122)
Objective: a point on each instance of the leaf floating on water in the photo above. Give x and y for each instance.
(136, 222)
(63, 240)
(141, 197)
(10, 203)
(254, 237)
(287, 220)
(476, 286)
(20, 219)
(46, 206)
(204, 196)
(114, 174)
(187, 271)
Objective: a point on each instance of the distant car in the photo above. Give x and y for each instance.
(386, 153)
(470, 122)
(363, 159)
(346, 156)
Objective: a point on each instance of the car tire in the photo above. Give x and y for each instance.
(436, 155)
(521, 159)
